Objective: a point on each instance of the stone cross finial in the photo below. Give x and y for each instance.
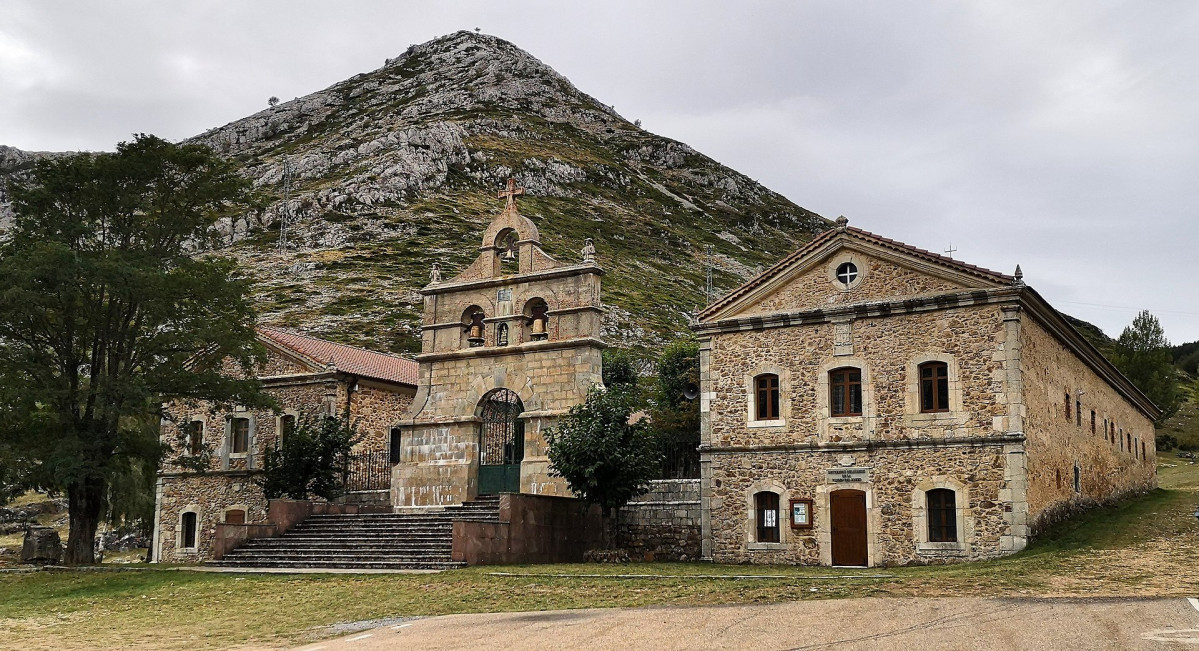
(842, 223)
(511, 193)
(588, 250)
(435, 273)
(1018, 278)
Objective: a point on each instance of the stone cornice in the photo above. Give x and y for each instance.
(513, 279)
(870, 309)
(514, 349)
(866, 446)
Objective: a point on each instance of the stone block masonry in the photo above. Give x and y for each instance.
(663, 524)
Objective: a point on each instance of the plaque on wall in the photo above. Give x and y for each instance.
(843, 475)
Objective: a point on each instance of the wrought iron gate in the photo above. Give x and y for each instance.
(501, 443)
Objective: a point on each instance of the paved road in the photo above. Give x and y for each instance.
(907, 624)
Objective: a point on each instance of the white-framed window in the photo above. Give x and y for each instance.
(767, 396)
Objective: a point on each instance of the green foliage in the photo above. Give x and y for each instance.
(1143, 355)
(604, 458)
(674, 417)
(312, 459)
(105, 315)
(621, 368)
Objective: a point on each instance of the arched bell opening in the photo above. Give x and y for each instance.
(501, 442)
(507, 250)
(473, 326)
(537, 320)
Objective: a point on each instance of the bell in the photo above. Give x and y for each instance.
(476, 332)
(508, 256)
(538, 326)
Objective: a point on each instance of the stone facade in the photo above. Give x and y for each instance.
(515, 319)
(300, 386)
(999, 444)
(663, 524)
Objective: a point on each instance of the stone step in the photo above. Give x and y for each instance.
(342, 558)
(291, 543)
(337, 565)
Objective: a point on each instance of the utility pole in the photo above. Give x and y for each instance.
(708, 283)
(285, 216)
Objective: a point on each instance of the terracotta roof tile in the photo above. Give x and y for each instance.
(347, 359)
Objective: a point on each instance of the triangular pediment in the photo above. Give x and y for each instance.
(878, 269)
(281, 360)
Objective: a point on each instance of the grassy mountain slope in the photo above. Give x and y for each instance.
(394, 169)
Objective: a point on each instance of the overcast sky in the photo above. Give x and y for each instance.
(1058, 135)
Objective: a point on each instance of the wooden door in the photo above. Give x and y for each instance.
(847, 512)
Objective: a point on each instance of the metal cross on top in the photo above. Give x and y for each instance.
(511, 193)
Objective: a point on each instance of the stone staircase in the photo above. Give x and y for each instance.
(376, 541)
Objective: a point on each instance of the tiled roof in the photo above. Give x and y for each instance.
(347, 359)
(820, 239)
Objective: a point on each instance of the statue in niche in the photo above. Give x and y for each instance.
(588, 250)
(435, 273)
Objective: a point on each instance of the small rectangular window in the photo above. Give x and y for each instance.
(934, 387)
(189, 530)
(845, 389)
(239, 432)
(1142, 450)
(1092, 421)
(766, 396)
(1077, 479)
(1067, 406)
(767, 505)
(1078, 413)
(195, 437)
(942, 515)
(393, 446)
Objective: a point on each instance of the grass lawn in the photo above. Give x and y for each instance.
(1146, 546)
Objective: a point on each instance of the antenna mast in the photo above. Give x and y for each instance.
(285, 217)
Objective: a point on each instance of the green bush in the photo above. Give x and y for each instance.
(312, 459)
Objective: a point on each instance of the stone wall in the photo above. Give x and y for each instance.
(1108, 466)
(209, 496)
(663, 524)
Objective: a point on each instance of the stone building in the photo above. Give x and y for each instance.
(865, 402)
(306, 376)
(508, 345)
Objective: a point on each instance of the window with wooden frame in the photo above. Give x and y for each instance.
(845, 391)
(942, 515)
(934, 387)
(801, 513)
(195, 437)
(766, 397)
(239, 435)
(766, 504)
(188, 521)
(1092, 422)
(287, 425)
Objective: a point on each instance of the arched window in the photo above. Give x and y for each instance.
(472, 324)
(766, 397)
(767, 506)
(934, 387)
(188, 521)
(845, 391)
(942, 515)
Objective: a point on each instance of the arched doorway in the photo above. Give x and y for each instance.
(501, 442)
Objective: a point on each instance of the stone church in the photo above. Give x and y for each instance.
(865, 403)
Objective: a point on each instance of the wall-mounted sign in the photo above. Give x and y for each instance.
(801, 514)
(842, 475)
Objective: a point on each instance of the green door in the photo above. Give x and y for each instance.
(501, 443)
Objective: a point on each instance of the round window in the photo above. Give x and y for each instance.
(847, 272)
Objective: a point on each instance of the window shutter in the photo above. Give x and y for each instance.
(250, 449)
(226, 442)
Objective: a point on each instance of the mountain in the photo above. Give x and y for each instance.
(382, 174)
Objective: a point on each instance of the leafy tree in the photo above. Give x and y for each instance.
(604, 458)
(1143, 355)
(272, 101)
(621, 368)
(106, 312)
(674, 416)
(312, 459)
